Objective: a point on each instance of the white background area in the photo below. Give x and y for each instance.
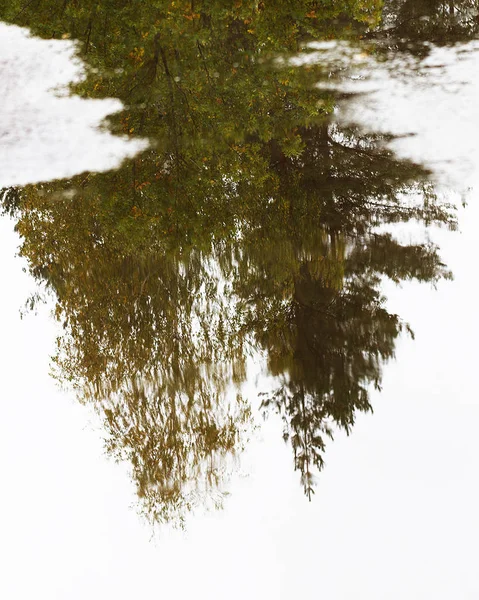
(45, 133)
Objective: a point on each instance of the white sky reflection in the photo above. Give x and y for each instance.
(433, 106)
(44, 133)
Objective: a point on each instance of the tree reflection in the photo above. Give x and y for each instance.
(319, 313)
(412, 25)
(254, 225)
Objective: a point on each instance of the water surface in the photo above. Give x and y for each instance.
(229, 302)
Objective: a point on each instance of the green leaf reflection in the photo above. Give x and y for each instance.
(254, 225)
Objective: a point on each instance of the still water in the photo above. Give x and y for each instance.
(239, 309)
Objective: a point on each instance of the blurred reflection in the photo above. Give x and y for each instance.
(413, 25)
(252, 227)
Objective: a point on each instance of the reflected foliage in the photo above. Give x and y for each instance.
(412, 26)
(253, 226)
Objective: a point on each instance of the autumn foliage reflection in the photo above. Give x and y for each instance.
(253, 226)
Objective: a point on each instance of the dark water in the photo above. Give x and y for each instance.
(226, 297)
